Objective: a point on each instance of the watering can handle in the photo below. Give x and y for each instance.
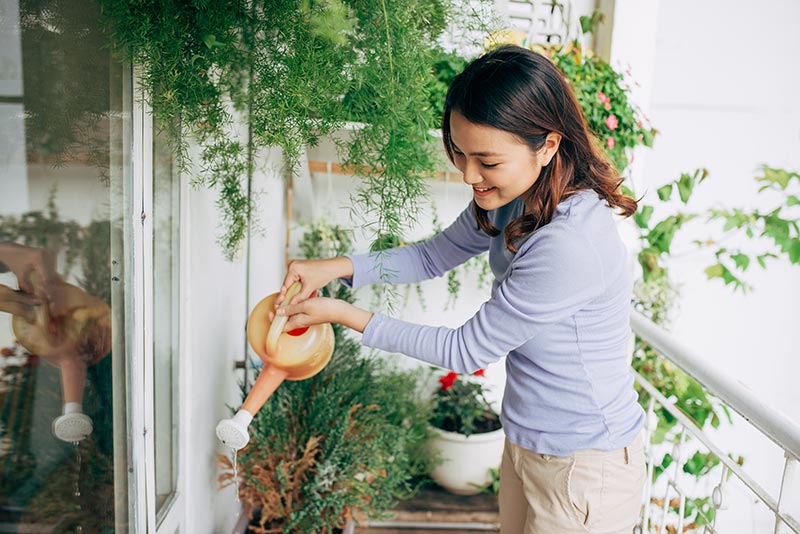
(276, 328)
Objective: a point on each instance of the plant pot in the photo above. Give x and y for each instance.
(466, 461)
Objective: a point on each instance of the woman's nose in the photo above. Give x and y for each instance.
(472, 175)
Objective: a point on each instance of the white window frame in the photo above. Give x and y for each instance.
(141, 485)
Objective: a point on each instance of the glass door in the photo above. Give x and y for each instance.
(66, 197)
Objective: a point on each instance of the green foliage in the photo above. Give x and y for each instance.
(292, 71)
(66, 75)
(773, 233)
(494, 486)
(460, 405)
(446, 66)
(604, 98)
(348, 440)
(46, 229)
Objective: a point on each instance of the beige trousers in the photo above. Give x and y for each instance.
(599, 492)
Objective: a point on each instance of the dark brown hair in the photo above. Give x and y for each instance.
(521, 92)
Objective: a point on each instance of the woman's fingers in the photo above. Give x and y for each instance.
(19, 303)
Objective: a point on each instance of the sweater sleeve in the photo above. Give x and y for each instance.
(554, 275)
(413, 263)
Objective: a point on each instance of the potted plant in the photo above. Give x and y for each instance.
(467, 435)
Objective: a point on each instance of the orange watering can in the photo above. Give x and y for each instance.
(295, 355)
(72, 342)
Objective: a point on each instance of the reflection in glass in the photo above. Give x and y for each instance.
(56, 198)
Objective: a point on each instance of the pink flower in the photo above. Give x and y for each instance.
(603, 98)
(611, 122)
(607, 106)
(610, 143)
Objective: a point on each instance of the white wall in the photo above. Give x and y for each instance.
(723, 94)
(719, 81)
(216, 303)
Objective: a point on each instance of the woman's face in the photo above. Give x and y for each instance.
(496, 164)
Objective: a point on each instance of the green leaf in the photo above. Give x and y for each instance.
(642, 217)
(792, 200)
(742, 261)
(794, 251)
(685, 187)
(775, 178)
(589, 24)
(664, 192)
(211, 41)
(715, 271)
(627, 191)
(648, 136)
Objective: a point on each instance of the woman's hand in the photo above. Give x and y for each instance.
(24, 261)
(313, 275)
(19, 303)
(324, 310)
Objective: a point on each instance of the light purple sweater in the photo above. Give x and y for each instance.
(559, 310)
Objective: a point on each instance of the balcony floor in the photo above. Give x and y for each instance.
(435, 507)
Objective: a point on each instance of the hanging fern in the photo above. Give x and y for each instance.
(292, 71)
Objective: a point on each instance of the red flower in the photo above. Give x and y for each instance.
(479, 372)
(448, 380)
(6, 352)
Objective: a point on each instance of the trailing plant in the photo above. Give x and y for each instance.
(345, 443)
(773, 234)
(67, 83)
(292, 71)
(604, 97)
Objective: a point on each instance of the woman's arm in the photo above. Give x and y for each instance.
(548, 282)
(453, 246)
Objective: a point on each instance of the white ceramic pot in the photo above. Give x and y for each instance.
(466, 460)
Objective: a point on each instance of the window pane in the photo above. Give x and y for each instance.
(166, 215)
(63, 170)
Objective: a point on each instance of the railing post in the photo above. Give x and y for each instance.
(789, 492)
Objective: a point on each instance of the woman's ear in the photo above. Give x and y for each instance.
(549, 149)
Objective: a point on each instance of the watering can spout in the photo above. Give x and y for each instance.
(285, 357)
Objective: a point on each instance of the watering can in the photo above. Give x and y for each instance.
(72, 342)
(294, 355)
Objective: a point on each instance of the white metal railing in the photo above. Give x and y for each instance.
(784, 432)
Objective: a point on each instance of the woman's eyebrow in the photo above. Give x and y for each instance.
(479, 154)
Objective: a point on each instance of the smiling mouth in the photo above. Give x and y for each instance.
(483, 190)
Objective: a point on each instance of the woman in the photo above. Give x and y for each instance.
(543, 206)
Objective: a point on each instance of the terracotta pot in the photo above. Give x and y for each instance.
(466, 460)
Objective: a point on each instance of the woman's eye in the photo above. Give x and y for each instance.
(490, 165)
